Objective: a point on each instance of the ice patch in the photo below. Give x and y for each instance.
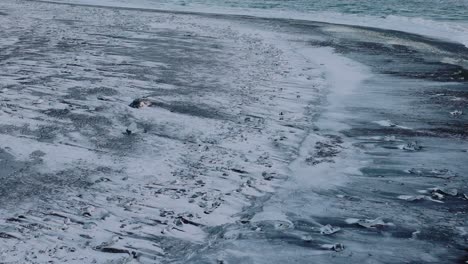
(369, 223)
(388, 123)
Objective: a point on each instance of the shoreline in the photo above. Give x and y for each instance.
(443, 31)
(246, 137)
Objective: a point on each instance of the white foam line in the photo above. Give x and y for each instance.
(343, 77)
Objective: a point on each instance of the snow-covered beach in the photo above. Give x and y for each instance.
(133, 135)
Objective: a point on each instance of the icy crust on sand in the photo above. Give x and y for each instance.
(89, 177)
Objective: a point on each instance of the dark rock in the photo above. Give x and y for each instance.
(140, 103)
